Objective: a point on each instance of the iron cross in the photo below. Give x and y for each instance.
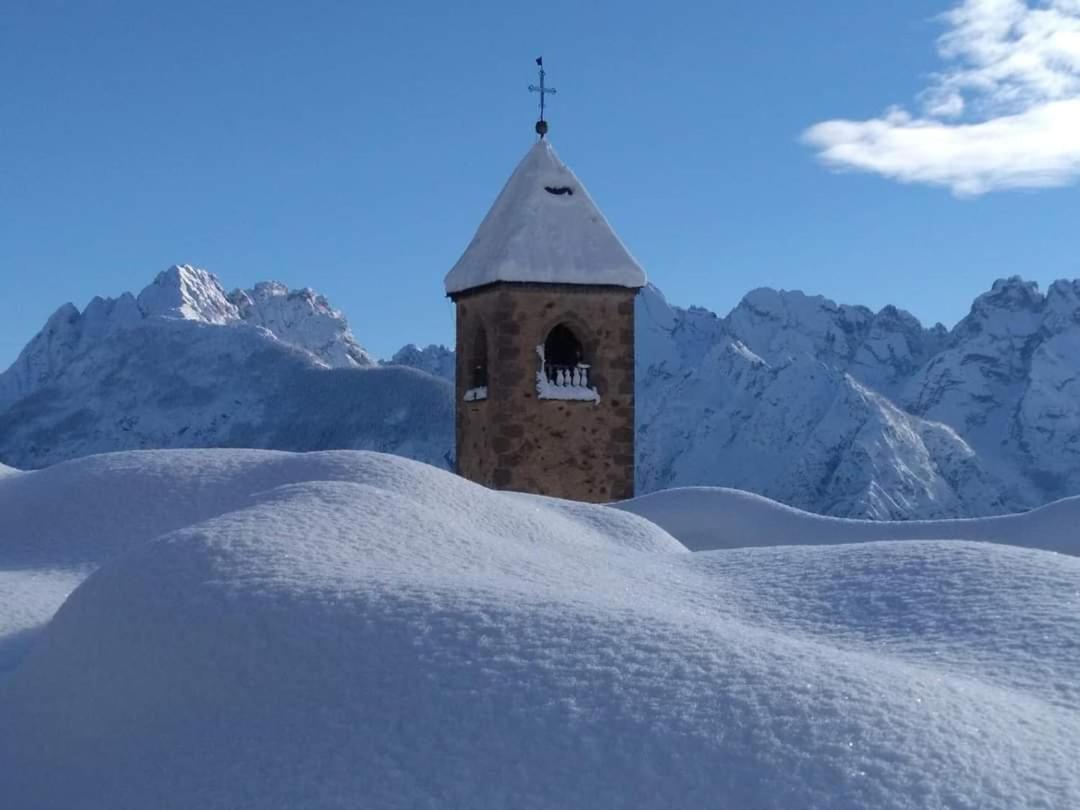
(543, 90)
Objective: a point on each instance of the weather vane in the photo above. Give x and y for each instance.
(543, 90)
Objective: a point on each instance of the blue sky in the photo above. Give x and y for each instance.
(354, 147)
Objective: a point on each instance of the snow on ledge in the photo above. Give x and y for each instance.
(476, 394)
(571, 390)
(545, 390)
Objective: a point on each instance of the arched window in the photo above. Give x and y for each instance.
(562, 348)
(565, 373)
(564, 361)
(478, 371)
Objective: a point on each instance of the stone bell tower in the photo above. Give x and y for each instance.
(545, 341)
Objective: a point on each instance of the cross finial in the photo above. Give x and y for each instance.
(543, 90)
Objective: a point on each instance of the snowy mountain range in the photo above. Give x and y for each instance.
(184, 364)
(845, 411)
(831, 408)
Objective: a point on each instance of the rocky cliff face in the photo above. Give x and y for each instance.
(832, 408)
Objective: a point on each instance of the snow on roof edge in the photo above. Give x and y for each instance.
(543, 199)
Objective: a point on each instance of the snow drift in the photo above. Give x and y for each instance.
(353, 629)
(705, 518)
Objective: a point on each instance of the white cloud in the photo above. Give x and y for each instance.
(1005, 114)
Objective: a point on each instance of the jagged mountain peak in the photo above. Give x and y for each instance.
(797, 427)
(1062, 307)
(796, 304)
(814, 313)
(42, 358)
(301, 319)
(1014, 294)
(65, 313)
(271, 290)
(1011, 308)
(1014, 288)
(187, 292)
(434, 359)
(1064, 288)
(890, 314)
(783, 324)
(304, 318)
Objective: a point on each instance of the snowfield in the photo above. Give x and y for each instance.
(350, 629)
(708, 518)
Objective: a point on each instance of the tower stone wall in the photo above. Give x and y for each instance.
(515, 440)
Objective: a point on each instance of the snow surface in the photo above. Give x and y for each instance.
(346, 629)
(28, 599)
(475, 394)
(545, 389)
(707, 518)
(531, 235)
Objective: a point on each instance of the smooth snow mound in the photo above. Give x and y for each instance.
(353, 629)
(707, 518)
(5, 470)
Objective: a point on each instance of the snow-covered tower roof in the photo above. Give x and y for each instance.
(544, 228)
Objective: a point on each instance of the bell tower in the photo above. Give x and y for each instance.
(545, 341)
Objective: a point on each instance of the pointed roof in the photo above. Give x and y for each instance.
(533, 234)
